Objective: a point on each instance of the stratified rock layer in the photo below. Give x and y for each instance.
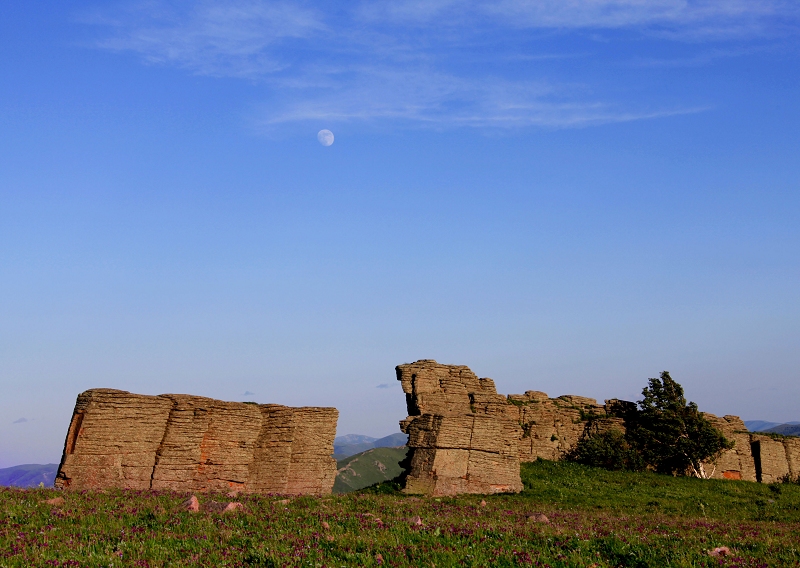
(738, 462)
(466, 438)
(463, 437)
(191, 443)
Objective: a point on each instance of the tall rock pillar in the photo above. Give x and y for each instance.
(463, 436)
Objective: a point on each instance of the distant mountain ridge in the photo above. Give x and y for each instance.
(786, 428)
(353, 439)
(29, 475)
(352, 444)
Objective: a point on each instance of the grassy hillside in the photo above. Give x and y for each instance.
(591, 519)
(352, 444)
(573, 486)
(29, 475)
(367, 468)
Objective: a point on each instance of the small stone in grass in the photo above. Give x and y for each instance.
(378, 559)
(192, 504)
(233, 507)
(326, 526)
(416, 521)
(483, 502)
(538, 518)
(283, 501)
(720, 551)
(57, 501)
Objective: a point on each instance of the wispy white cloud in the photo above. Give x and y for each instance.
(439, 100)
(212, 38)
(681, 17)
(419, 61)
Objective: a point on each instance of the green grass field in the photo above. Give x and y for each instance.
(595, 519)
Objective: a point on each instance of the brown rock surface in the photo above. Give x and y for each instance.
(191, 443)
(770, 458)
(463, 436)
(553, 426)
(738, 462)
(792, 446)
(112, 440)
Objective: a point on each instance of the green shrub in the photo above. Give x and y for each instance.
(608, 450)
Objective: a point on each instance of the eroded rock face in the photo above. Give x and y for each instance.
(770, 458)
(192, 443)
(738, 462)
(466, 438)
(463, 436)
(792, 446)
(552, 426)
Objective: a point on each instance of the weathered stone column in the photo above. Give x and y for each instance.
(463, 436)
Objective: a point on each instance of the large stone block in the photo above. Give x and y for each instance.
(738, 462)
(463, 436)
(792, 446)
(770, 459)
(191, 443)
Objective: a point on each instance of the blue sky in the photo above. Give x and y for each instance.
(567, 196)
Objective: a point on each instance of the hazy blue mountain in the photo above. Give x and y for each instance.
(759, 425)
(28, 475)
(392, 441)
(352, 439)
(766, 426)
(788, 429)
(352, 444)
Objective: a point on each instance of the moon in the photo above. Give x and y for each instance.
(325, 137)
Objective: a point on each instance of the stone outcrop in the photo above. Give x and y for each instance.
(770, 458)
(463, 436)
(738, 462)
(191, 443)
(755, 457)
(552, 426)
(466, 438)
(792, 446)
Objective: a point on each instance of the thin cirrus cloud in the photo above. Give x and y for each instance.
(439, 100)
(681, 17)
(219, 39)
(420, 62)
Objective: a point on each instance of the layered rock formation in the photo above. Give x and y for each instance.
(552, 426)
(738, 462)
(463, 436)
(192, 443)
(466, 438)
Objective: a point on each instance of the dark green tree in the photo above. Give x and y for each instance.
(671, 435)
(609, 450)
